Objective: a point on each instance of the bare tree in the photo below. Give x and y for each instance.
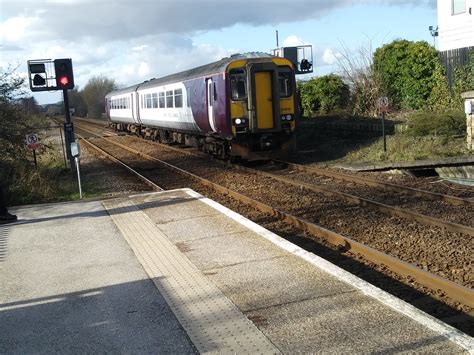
(94, 94)
(364, 82)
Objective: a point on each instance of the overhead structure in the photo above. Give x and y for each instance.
(50, 75)
(300, 56)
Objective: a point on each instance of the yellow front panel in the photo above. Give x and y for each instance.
(264, 104)
(238, 109)
(287, 106)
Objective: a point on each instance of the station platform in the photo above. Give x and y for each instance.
(174, 272)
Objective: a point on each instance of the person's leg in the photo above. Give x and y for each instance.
(3, 202)
(5, 217)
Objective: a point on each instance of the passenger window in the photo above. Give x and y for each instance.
(238, 84)
(155, 100)
(188, 97)
(284, 83)
(162, 99)
(148, 101)
(178, 98)
(169, 99)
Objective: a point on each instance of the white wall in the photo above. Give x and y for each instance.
(455, 31)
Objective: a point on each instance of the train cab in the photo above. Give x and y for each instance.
(262, 104)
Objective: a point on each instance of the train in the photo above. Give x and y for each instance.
(240, 107)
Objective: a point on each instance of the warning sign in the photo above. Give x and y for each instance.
(382, 104)
(32, 141)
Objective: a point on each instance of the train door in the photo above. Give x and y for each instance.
(264, 99)
(132, 107)
(210, 103)
(136, 107)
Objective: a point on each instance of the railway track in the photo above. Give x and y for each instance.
(431, 209)
(439, 285)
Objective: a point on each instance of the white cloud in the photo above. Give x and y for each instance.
(292, 41)
(14, 29)
(143, 69)
(330, 57)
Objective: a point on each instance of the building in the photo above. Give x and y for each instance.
(455, 33)
(455, 24)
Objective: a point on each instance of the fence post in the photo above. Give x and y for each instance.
(469, 110)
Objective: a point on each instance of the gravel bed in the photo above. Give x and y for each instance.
(438, 209)
(432, 183)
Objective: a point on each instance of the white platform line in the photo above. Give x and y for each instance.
(454, 335)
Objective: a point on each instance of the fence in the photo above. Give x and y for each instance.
(452, 59)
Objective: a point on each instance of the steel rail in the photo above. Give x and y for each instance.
(456, 292)
(121, 163)
(79, 122)
(383, 185)
(390, 210)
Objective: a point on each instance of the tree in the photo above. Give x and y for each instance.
(323, 95)
(29, 105)
(365, 84)
(410, 71)
(463, 80)
(94, 94)
(76, 101)
(13, 126)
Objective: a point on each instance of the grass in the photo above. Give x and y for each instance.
(424, 136)
(50, 180)
(406, 148)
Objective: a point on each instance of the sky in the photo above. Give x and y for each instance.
(134, 40)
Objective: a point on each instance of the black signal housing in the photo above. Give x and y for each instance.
(64, 74)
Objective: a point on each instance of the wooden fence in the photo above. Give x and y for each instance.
(452, 59)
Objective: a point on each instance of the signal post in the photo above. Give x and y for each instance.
(54, 75)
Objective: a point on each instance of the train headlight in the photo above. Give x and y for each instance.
(240, 121)
(288, 117)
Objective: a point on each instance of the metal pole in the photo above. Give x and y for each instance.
(78, 177)
(68, 128)
(383, 133)
(34, 157)
(62, 146)
(277, 37)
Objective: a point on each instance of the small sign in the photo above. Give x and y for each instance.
(382, 104)
(75, 149)
(468, 107)
(32, 141)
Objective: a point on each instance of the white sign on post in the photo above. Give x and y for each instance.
(382, 104)
(32, 141)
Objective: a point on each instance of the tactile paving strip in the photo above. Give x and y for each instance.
(211, 320)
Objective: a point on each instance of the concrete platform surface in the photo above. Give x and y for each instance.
(70, 284)
(175, 272)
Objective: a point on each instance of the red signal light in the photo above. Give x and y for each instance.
(64, 80)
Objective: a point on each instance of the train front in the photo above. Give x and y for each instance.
(263, 107)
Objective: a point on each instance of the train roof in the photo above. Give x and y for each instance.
(211, 68)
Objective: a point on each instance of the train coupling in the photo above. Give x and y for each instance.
(266, 142)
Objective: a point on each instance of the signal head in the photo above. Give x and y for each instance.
(64, 74)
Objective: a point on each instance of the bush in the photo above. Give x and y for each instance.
(323, 95)
(410, 72)
(447, 123)
(463, 80)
